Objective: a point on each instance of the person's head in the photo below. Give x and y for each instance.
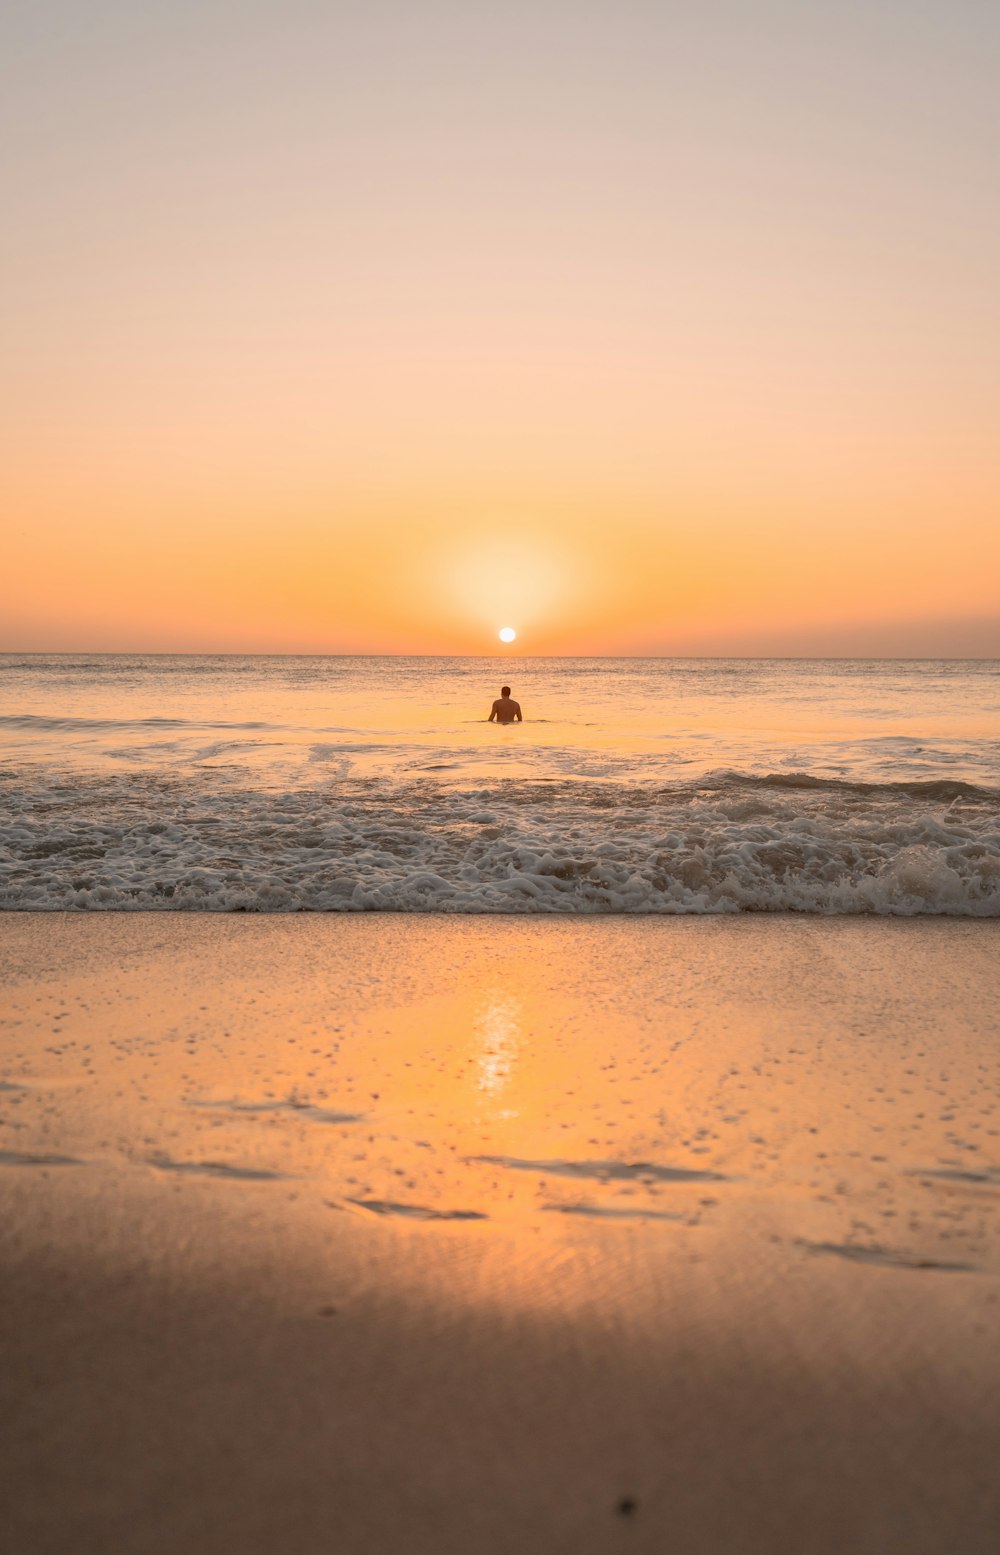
(505, 691)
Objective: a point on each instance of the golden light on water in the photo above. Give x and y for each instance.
(507, 634)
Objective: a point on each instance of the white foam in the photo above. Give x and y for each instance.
(730, 845)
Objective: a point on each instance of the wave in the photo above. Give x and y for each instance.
(730, 843)
(37, 665)
(41, 723)
(930, 789)
(110, 664)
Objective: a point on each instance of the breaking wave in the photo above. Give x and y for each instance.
(728, 843)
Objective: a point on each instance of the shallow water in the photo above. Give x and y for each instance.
(657, 785)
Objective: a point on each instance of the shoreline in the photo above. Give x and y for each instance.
(423, 1233)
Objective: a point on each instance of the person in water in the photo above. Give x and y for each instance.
(504, 710)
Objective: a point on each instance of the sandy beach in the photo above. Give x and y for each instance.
(382, 1234)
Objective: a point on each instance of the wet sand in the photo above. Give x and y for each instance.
(460, 1235)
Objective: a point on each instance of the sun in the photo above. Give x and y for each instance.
(507, 634)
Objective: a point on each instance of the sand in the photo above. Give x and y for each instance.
(459, 1235)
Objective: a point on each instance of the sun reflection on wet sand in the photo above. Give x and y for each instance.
(715, 1198)
(719, 1077)
(498, 1030)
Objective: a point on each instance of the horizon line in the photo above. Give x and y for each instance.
(233, 653)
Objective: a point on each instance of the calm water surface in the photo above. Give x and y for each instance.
(654, 785)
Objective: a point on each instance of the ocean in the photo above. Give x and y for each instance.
(279, 784)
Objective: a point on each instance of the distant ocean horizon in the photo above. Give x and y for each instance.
(284, 782)
(511, 656)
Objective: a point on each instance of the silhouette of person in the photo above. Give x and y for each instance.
(504, 710)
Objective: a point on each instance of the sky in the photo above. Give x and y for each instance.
(643, 328)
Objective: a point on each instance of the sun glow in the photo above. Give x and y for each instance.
(498, 375)
(507, 634)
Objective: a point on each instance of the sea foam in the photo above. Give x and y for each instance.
(730, 843)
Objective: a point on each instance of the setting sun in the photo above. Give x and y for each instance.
(507, 634)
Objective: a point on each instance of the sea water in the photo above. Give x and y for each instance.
(633, 785)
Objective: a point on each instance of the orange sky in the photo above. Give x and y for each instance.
(641, 330)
